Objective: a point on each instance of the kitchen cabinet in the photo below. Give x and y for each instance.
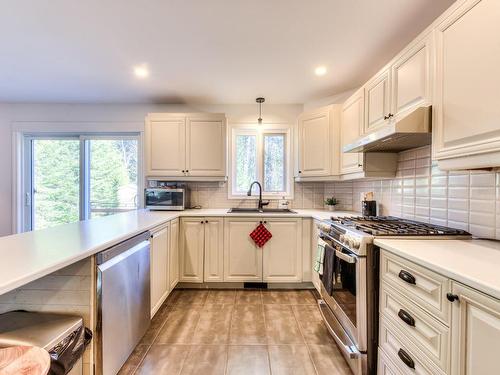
(201, 249)
(242, 258)
(377, 101)
(214, 249)
(159, 267)
(282, 254)
(192, 237)
(185, 146)
(466, 125)
(350, 129)
(475, 332)
(411, 77)
(174, 254)
(318, 142)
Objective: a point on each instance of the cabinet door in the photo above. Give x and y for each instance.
(165, 146)
(159, 268)
(377, 101)
(206, 146)
(467, 114)
(314, 248)
(282, 254)
(192, 234)
(242, 258)
(350, 128)
(411, 78)
(214, 249)
(174, 254)
(475, 332)
(315, 144)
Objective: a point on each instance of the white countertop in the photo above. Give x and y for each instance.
(475, 263)
(28, 256)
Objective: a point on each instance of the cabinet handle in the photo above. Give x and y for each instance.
(206, 221)
(406, 317)
(260, 222)
(452, 297)
(187, 170)
(300, 171)
(405, 357)
(202, 221)
(386, 117)
(183, 171)
(407, 277)
(265, 222)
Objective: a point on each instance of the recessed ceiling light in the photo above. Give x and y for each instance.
(141, 71)
(320, 70)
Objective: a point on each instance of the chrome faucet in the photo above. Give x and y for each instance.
(261, 203)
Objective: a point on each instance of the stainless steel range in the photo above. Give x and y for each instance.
(350, 279)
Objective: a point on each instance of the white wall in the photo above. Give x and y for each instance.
(108, 117)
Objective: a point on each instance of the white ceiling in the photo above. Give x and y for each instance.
(199, 51)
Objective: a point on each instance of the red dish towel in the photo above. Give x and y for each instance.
(260, 235)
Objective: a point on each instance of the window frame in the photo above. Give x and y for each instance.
(25, 212)
(260, 131)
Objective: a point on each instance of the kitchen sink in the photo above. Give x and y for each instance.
(237, 210)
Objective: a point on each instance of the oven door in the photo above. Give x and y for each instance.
(348, 300)
(164, 199)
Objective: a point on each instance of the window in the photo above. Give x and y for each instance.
(260, 153)
(71, 178)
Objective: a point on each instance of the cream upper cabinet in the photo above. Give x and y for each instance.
(160, 244)
(282, 254)
(475, 332)
(242, 258)
(411, 78)
(214, 249)
(173, 273)
(315, 147)
(206, 146)
(466, 125)
(165, 147)
(185, 145)
(351, 125)
(377, 101)
(192, 238)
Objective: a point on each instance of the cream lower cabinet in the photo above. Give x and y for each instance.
(201, 249)
(214, 250)
(280, 260)
(466, 126)
(159, 259)
(475, 332)
(191, 249)
(314, 248)
(282, 254)
(173, 274)
(242, 258)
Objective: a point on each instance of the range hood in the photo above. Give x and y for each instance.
(411, 131)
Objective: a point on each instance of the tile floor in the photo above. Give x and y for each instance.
(237, 332)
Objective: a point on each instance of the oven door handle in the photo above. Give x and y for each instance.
(337, 332)
(345, 257)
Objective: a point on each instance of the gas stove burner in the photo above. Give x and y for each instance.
(394, 226)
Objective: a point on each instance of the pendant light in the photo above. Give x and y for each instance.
(260, 101)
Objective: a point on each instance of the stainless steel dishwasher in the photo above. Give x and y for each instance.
(123, 301)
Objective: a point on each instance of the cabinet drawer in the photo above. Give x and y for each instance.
(403, 353)
(425, 288)
(385, 365)
(426, 333)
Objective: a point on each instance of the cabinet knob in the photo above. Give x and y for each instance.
(265, 222)
(206, 221)
(183, 171)
(187, 171)
(452, 297)
(360, 165)
(202, 221)
(390, 115)
(300, 171)
(386, 117)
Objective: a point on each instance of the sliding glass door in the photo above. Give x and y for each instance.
(71, 178)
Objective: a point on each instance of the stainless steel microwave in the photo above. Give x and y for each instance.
(166, 199)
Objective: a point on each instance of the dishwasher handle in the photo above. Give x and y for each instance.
(120, 248)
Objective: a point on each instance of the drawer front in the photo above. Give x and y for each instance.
(385, 365)
(423, 287)
(403, 353)
(427, 333)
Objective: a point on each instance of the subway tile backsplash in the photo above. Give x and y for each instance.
(468, 200)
